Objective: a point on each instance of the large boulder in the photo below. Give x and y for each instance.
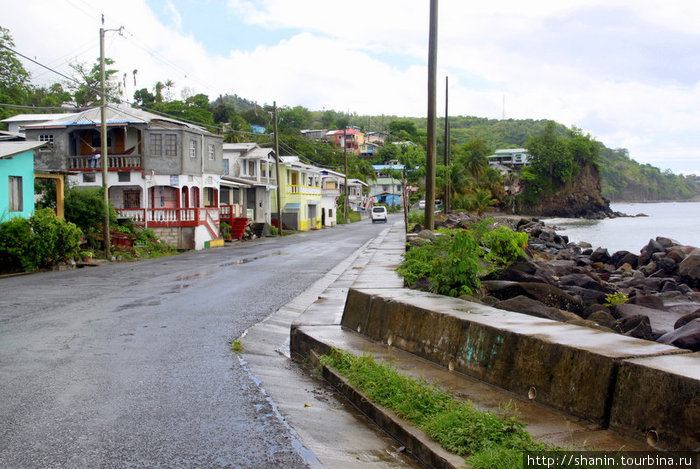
(545, 293)
(661, 321)
(649, 250)
(600, 255)
(636, 326)
(687, 337)
(689, 270)
(523, 304)
(650, 301)
(583, 281)
(586, 294)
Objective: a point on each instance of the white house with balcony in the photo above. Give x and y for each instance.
(162, 173)
(510, 157)
(249, 164)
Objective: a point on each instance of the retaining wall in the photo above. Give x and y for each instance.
(642, 389)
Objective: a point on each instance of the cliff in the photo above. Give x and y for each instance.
(579, 198)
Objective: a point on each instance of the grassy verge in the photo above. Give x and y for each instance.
(486, 439)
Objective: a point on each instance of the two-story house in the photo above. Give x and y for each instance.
(386, 188)
(350, 139)
(300, 195)
(162, 173)
(253, 168)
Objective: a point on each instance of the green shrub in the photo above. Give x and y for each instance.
(224, 230)
(16, 253)
(55, 240)
(147, 244)
(505, 245)
(85, 207)
(454, 261)
(616, 298)
(42, 241)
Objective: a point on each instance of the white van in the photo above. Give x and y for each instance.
(379, 213)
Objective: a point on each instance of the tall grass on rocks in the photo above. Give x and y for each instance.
(453, 262)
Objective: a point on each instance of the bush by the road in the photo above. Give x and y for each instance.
(43, 240)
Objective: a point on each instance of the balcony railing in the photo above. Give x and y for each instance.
(331, 192)
(86, 163)
(272, 181)
(308, 190)
(170, 217)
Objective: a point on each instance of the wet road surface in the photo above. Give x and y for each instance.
(129, 364)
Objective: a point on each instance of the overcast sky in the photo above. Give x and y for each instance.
(625, 71)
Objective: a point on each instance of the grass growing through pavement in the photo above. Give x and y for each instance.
(486, 439)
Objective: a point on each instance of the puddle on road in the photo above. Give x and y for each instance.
(251, 259)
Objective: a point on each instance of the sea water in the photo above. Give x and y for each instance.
(676, 220)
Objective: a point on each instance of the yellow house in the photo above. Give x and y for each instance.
(300, 194)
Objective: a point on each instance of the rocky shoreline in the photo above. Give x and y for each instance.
(653, 295)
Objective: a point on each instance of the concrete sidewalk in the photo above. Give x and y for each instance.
(329, 431)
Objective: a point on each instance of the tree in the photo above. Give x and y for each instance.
(144, 98)
(473, 155)
(86, 83)
(14, 79)
(403, 129)
(292, 120)
(550, 155)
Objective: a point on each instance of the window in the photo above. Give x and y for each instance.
(211, 152)
(170, 145)
(226, 170)
(48, 138)
(124, 176)
(16, 204)
(89, 177)
(156, 145)
(251, 168)
(193, 149)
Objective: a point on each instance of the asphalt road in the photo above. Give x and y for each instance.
(129, 364)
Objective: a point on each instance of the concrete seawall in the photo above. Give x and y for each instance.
(643, 390)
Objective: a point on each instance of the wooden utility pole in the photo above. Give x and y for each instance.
(448, 191)
(277, 167)
(432, 141)
(103, 141)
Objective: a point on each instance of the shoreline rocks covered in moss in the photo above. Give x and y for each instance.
(652, 295)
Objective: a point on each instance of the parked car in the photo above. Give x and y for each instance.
(421, 205)
(379, 213)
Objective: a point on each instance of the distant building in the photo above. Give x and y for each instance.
(350, 139)
(510, 157)
(257, 129)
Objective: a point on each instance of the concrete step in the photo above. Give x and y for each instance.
(544, 423)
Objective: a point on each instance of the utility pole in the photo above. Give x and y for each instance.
(103, 138)
(277, 167)
(103, 142)
(345, 151)
(448, 193)
(432, 141)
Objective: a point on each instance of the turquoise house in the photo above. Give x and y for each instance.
(17, 179)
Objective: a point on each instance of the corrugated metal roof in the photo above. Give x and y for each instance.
(115, 116)
(10, 149)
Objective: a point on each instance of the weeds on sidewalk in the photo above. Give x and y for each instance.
(486, 439)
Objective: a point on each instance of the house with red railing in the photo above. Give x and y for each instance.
(162, 173)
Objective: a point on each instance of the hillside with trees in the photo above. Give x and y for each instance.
(623, 179)
(471, 138)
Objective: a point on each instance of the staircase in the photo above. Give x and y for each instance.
(238, 226)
